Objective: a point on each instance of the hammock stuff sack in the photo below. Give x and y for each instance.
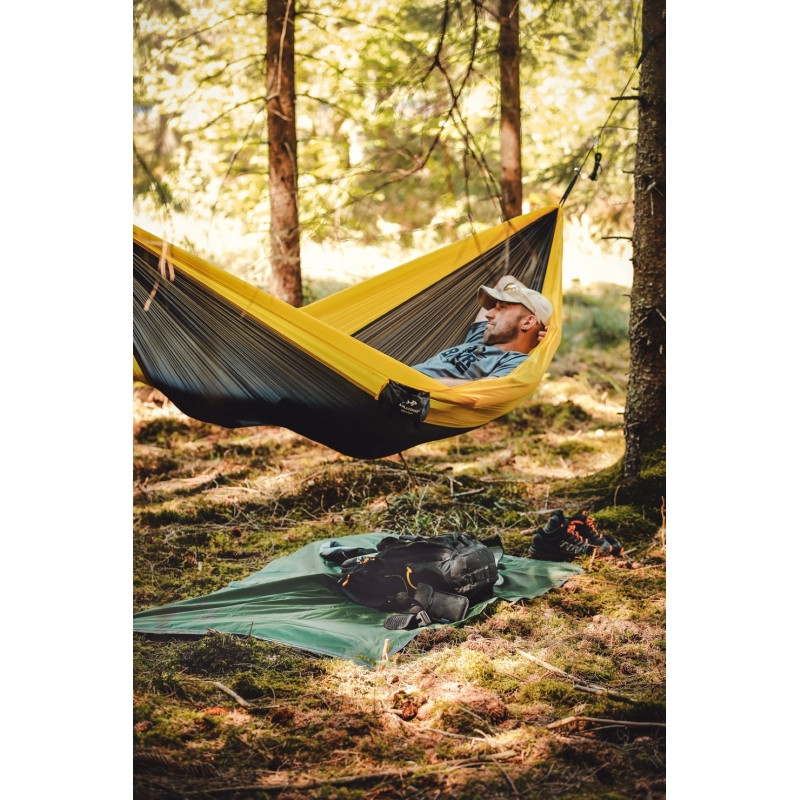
(337, 370)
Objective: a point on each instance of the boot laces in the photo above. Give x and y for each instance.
(590, 535)
(589, 523)
(572, 530)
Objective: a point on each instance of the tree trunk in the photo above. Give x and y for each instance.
(645, 409)
(285, 282)
(510, 147)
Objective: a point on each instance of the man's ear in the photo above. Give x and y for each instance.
(529, 322)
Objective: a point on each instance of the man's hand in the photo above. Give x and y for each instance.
(542, 333)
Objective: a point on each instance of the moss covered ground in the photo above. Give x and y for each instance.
(560, 696)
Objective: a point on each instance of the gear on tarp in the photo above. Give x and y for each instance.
(422, 579)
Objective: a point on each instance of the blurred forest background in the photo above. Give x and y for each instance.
(398, 112)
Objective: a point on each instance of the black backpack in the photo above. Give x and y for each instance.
(428, 579)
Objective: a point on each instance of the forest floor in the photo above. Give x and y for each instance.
(560, 696)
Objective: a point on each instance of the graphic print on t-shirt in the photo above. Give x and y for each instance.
(462, 358)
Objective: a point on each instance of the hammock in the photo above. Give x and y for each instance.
(228, 353)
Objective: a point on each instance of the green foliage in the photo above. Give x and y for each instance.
(550, 691)
(595, 318)
(188, 515)
(626, 522)
(581, 605)
(219, 655)
(163, 431)
(538, 418)
(397, 114)
(572, 448)
(647, 491)
(341, 793)
(154, 466)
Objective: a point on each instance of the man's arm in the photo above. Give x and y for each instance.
(454, 381)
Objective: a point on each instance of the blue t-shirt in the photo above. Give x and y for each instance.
(472, 359)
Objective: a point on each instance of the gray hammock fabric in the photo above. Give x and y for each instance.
(295, 601)
(227, 353)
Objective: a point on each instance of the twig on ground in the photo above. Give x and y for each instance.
(617, 722)
(543, 663)
(577, 682)
(408, 469)
(507, 777)
(504, 480)
(592, 689)
(313, 783)
(223, 688)
(422, 731)
(468, 492)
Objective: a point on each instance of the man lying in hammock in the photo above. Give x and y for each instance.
(511, 322)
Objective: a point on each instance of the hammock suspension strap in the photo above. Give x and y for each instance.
(598, 156)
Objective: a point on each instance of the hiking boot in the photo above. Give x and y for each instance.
(557, 542)
(616, 545)
(583, 525)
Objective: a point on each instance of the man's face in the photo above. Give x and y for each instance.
(503, 322)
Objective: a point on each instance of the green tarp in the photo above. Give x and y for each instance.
(294, 600)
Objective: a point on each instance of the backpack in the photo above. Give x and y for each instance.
(427, 579)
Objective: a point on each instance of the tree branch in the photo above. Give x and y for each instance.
(163, 193)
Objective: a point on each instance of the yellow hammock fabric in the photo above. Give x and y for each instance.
(231, 354)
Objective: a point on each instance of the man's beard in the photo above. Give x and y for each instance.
(500, 334)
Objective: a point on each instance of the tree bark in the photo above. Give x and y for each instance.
(645, 409)
(510, 146)
(285, 281)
